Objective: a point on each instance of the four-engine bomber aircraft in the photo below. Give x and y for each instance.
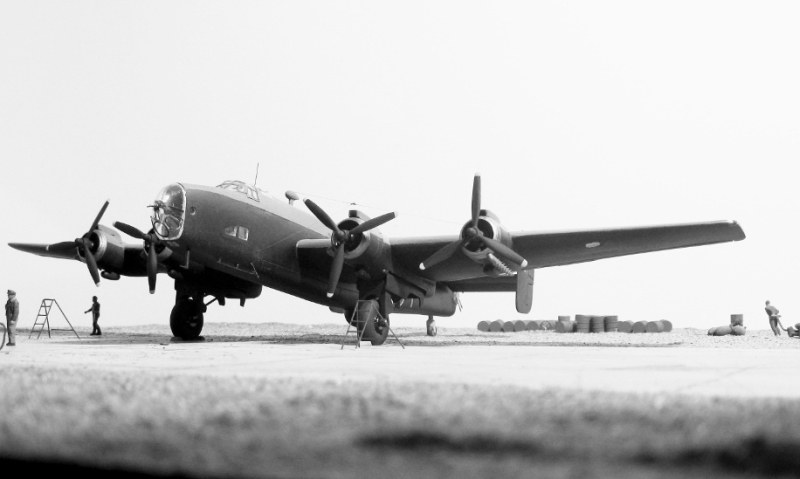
(229, 241)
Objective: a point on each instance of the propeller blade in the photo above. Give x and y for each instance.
(322, 216)
(64, 246)
(130, 230)
(152, 267)
(504, 251)
(336, 270)
(91, 263)
(99, 215)
(440, 255)
(476, 199)
(372, 223)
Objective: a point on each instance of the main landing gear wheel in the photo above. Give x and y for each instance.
(430, 326)
(375, 328)
(186, 319)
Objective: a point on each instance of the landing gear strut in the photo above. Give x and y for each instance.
(186, 319)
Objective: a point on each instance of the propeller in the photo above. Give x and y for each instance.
(472, 232)
(340, 237)
(84, 244)
(152, 257)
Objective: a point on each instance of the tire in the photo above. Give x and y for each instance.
(371, 327)
(430, 327)
(186, 319)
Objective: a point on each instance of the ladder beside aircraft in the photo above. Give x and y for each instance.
(359, 334)
(43, 319)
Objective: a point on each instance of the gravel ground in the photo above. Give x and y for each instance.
(333, 333)
(92, 421)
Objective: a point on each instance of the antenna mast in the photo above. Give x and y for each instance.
(256, 180)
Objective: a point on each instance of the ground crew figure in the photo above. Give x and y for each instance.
(774, 318)
(95, 309)
(12, 314)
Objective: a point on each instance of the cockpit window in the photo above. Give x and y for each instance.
(169, 211)
(238, 232)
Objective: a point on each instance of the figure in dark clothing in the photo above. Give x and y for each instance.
(774, 318)
(95, 309)
(12, 314)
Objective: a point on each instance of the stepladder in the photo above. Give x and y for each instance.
(43, 319)
(364, 321)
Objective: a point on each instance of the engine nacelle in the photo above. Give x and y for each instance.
(367, 252)
(107, 247)
(489, 225)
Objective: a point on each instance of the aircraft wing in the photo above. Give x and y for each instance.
(131, 262)
(44, 250)
(561, 248)
(555, 248)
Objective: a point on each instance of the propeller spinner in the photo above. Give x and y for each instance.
(84, 245)
(471, 232)
(340, 237)
(152, 257)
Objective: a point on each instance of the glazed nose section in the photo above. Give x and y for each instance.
(169, 212)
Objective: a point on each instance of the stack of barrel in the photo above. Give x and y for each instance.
(736, 327)
(501, 326)
(583, 323)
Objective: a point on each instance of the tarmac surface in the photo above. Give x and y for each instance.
(469, 404)
(728, 372)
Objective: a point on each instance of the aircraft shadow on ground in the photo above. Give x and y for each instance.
(406, 338)
(288, 338)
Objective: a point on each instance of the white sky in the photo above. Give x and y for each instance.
(577, 115)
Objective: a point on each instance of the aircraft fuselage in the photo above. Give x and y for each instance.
(252, 239)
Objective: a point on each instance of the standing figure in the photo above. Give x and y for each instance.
(774, 318)
(95, 309)
(12, 314)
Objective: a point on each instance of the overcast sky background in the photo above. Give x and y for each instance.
(577, 114)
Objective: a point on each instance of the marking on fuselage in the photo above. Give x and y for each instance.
(593, 244)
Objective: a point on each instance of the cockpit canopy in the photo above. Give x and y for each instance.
(169, 212)
(251, 192)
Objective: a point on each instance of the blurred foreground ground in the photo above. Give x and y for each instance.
(278, 400)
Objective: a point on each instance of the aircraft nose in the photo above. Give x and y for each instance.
(169, 212)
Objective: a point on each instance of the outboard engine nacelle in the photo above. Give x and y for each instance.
(107, 247)
(477, 249)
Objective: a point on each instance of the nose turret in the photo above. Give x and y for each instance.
(169, 212)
